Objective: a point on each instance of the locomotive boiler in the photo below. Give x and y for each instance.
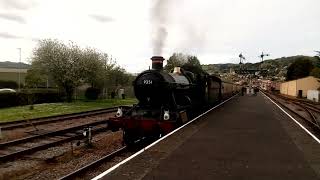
(166, 100)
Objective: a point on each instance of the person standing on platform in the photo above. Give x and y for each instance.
(243, 90)
(256, 90)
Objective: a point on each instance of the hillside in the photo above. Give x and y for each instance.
(274, 67)
(8, 64)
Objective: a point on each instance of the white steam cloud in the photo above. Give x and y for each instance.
(159, 22)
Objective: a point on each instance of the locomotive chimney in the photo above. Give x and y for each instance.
(157, 62)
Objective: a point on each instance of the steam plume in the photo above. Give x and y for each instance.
(159, 18)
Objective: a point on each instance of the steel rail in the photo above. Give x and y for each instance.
(76, 136)
(306, 103)
(52, 133)
(315, 125)
(56, 118)
(311, 115)
(96, 163)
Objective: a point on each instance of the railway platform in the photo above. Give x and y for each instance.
(248, 137)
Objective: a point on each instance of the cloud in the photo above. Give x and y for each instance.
(101, 18)
(17, 4)
(9, 36)
(12, 17)
(35, 39)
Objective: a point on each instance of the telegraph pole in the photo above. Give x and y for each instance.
(261, 56)
(19, 72)
(241, 59)
(105, 77)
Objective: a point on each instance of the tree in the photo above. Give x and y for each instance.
(318, 53)
(62, 62)
(176, 60)
(70, 66)
(193, 61)
(35, 78)
(118, 77)
(94, 67)
(182, 60)
(299, 68)
(315, 72)
(317, 61)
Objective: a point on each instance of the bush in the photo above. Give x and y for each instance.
(8, 99)
(92, 93)
(8, 84)
(29, 97)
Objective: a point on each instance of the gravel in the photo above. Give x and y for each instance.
(58, 161)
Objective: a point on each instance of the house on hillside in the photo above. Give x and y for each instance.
(269, 85)
(300, 87)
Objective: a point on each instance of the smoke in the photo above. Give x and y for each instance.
(185, 22)
(159, 22)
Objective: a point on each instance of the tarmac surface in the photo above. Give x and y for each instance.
(245, 138)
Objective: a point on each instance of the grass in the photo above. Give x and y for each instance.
(50, 109)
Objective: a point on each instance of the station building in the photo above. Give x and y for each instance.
(300, 87)
(12, 74)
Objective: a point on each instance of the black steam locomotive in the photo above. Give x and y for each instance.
(167, 100)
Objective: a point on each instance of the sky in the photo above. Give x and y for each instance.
(216, 31)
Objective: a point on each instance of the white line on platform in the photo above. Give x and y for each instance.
(164, 137)
(313, 136)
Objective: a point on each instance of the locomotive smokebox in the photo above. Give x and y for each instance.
(157, 62)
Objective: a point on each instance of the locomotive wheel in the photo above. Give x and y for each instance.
(128, 138)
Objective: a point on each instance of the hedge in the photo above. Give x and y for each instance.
(92, 93)
(8, 84)
(25, 98)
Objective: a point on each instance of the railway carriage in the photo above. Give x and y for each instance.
(226, 89)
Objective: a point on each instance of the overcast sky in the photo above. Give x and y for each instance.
(214, 30)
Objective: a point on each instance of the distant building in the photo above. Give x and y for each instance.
(12, 74)
(269, 85)
(300, 87)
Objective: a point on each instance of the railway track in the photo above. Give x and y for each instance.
(309, 104)
(17, 148)
(96, 163)
(310, 108)
(312, 112)
(141, 144)
(57, 118)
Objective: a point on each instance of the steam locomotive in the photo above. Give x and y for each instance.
(168, 100)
